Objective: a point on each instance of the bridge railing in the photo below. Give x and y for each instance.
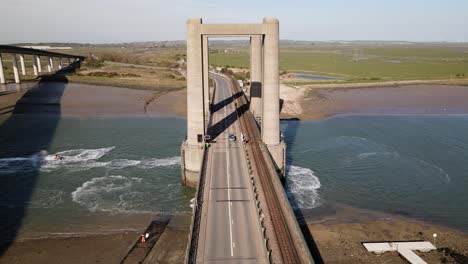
(35, 57)
(192, 247)
(297, 241)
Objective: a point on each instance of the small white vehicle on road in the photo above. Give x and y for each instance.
(232, 137)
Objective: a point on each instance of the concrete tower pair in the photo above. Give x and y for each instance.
(264, 74)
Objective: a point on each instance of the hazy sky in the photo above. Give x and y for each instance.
(110, 21)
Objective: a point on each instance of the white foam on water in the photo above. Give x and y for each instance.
(433, 166)
(122, 163)
(152, 163)
(109, 193)
(370, 154)
(75, 159)
(78, 160)
(436, 168)
(303, 185)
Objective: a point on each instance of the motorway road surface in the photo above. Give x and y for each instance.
(230, 231)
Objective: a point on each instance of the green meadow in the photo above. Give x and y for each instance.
(363, 62)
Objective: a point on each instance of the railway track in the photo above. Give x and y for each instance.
(283, 236)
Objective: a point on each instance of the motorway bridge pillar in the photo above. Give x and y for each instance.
(38, 64)
(2, 73)
(23, 66)
(14, 61)
(34, 63)
(50, 64)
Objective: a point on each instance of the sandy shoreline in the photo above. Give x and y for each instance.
(83, 100)
(418, 99)
(339, 236)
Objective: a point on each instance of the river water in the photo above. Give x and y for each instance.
(414, 166)
(118, 169)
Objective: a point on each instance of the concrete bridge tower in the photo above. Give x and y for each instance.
(264, 93)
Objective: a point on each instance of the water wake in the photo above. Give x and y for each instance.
(109, 193)
(77, 160)
(302, 187)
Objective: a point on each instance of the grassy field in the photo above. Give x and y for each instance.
(157, 69)
(364, 62)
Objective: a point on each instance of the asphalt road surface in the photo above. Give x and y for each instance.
(230, 231)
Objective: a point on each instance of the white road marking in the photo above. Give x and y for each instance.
(228, 176)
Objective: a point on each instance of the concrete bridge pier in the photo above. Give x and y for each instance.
(14, 60)
(2, 73)
(270, 116)
(59, 63)
(38, 63)
(193, 148)
(35, 67)
(50, 64)
(23, 67)
(256, 74)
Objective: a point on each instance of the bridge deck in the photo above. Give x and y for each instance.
(229, 231)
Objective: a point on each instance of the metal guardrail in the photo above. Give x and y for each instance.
(192, 247)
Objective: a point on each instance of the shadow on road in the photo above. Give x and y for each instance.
(215, 130)
(23, 135)
(220, 105)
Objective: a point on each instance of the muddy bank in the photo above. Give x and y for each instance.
(420, 99)
(339, 236)
(73, 99)
(102, 248)
(86, 249)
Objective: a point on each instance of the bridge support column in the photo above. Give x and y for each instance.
(271, 100)
(23, 67)
(38, 63)
(14, 61)
(34, 63)
(50, 64)
(193, 147)
(256, 74)
(59, 63)
(2, 73)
